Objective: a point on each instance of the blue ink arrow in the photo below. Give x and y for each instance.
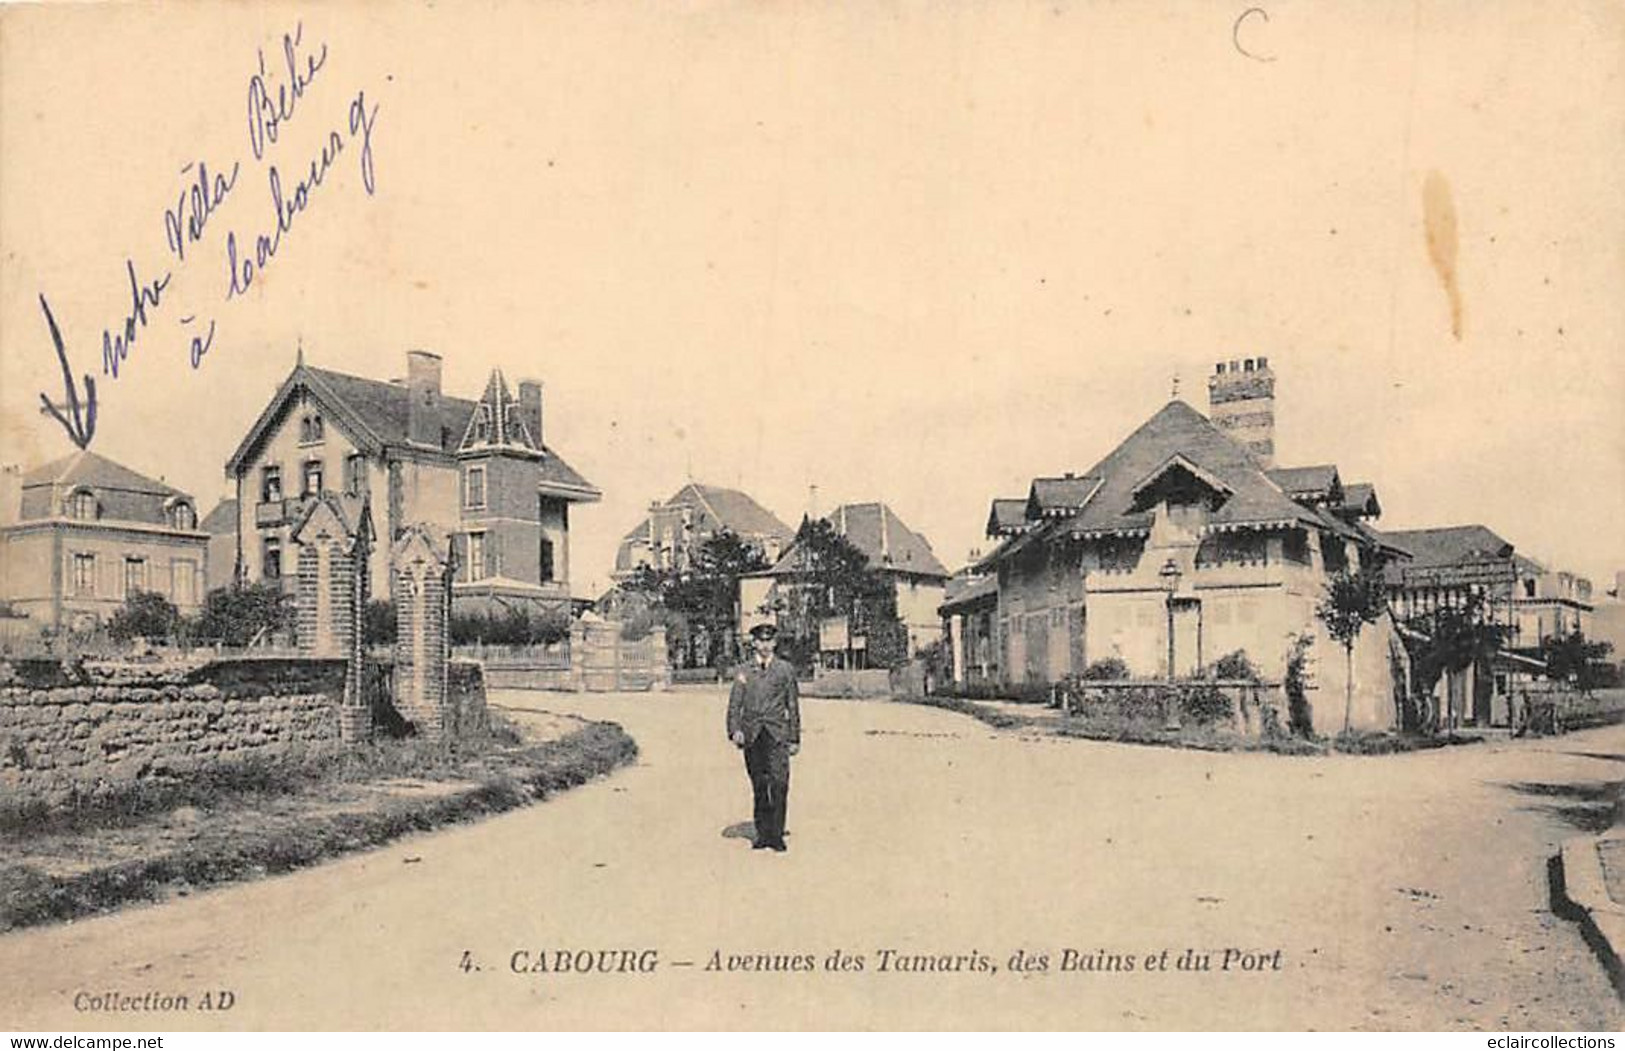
(82, 427)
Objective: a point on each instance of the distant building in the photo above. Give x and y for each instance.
(672, 534)
(221, 525)
(478, 469)
(1448, 565)
(1183, 544)
(1608, 618)
(87, 532)
(1550, 602)
(905, 557)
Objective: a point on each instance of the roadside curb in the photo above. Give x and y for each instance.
(1579, 891)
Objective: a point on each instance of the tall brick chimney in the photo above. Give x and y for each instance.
(1241, 403)
(423, 398)
(530, 408)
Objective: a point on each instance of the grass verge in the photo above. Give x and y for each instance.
(274, 820)
(1198, 736)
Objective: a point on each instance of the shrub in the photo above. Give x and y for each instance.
(1028, 692)
(240, 614)
(378, 624)
(516, 626)
(1107, 668)
(1300, 717)
(550, 624)
(1205, 704)
(1235, 665)
(145, 614)
(641, 624)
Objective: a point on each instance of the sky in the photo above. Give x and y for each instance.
(908, 252)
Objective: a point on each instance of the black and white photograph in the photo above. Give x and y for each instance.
(1047, 515)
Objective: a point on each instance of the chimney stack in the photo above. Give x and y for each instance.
(423, 398)
(1241, 403)
(530, 409)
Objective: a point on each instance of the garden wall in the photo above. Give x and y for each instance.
(1246, 708)
(67, 727)
(597, 659)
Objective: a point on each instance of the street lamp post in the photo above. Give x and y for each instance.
(1169, 574)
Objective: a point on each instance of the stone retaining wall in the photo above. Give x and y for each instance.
(68, 728)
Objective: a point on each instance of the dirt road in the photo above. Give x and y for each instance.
(1366, 893)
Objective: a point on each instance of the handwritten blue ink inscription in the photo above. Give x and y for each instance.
(276, 93)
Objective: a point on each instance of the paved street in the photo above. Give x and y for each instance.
(1401, 892)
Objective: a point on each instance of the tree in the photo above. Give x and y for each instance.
(1352, 601)
(242, 614)
(697, 604)
(1574, 658)
(145, 614)
(831, 577)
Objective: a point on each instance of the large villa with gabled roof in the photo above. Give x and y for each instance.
(479, 470)
(1183, 544)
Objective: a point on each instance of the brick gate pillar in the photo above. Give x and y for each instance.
(334, 538)
(420, 568)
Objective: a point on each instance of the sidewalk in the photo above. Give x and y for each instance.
(1592, 879)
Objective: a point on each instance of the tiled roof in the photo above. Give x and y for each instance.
(876, 530)
(1318, 480)
(1051, 497)
(966, 590)
(223, 519)
(381, 410)
(728, 509)
(737, 511)
(504, 422)
(98, 472)
(383, 406)
(1007, 516)
(1360, 498)
(1449, 545)
(1177, 430)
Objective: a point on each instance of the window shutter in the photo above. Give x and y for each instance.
(459, 555)
(493, 554)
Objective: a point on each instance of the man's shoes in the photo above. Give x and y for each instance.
(759, 844)
(779, 846)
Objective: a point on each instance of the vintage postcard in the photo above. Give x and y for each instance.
(1148, 476)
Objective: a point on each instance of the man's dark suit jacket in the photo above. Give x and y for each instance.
(765, 699)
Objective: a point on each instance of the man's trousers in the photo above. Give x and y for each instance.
(767, 760)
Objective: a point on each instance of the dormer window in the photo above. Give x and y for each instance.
(1178, 481)
(482, 424)
(181, 515)
(82, 505)
(310, 429)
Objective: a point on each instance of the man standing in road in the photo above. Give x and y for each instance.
(764, 721)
